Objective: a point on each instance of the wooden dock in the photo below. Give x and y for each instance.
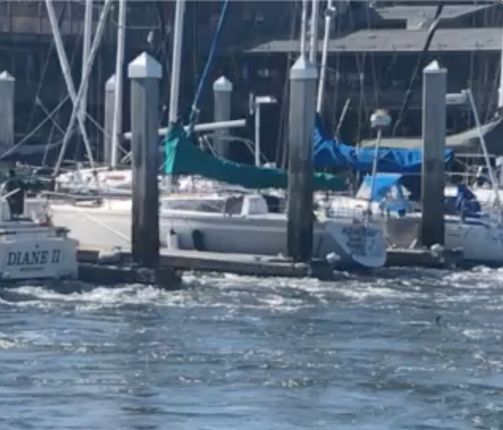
(422, 258)
(102, 266)
(239, 264)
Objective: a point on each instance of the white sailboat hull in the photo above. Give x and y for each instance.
(110, 226)
(480, 242)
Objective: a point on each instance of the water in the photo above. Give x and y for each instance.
(241, 353)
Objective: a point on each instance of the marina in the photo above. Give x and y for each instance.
(272, 222)
(219, 229)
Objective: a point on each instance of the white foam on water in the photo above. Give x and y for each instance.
(282, 294)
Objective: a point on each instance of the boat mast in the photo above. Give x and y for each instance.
(86, 47)
(119, 79)
(177, 59)
(65, 68)
(313, 48)
(100, 29)
(500, 91)
(175, 74)
(485, 152)
(303, 28)
(499, 160)
(324, 55)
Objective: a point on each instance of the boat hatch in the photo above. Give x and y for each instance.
(254, 205)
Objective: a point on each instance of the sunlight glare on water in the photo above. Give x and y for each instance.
(231, 352)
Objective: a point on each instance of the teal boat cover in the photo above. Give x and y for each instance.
(184, 158)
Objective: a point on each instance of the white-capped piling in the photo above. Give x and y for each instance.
(145, 74)
(7, 100)
(109, 120)
(222, 96)
(433, 166)
(303, 77)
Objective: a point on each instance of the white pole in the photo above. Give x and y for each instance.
(303, 28)
(500, 91)
(177, 59)
(324, 56)
(92, 55)
(119, 78)
(65, 67)
(313, 49)
(257, 134)
(204, 127)
(86, 47)
(494, 184)
(374, 170)
(500, 109)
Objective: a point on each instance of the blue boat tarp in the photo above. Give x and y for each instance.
(329, 153)
(465, 204)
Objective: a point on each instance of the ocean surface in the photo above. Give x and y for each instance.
(235, 353)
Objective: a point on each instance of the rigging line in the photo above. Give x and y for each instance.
(281, 142)
(419, 65)
(163, 54)
(47, 147)
(103, 131)
(202, 81)
(38, 127)
(372, 65)
(54, 122)
(61, 17)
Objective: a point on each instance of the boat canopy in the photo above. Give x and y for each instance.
(382, 184)
(184, 158)
(464, 202)
(332, 153)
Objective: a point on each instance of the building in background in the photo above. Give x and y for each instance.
(374, 49)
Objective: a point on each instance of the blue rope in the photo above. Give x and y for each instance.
(206, 70)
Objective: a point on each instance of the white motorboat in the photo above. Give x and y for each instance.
(222, 222)
(31, 248)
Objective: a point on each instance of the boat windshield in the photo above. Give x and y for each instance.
(195, 205)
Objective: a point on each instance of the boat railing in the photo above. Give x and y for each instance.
(72, 198)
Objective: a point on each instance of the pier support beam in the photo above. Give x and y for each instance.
(109, 120)
(145, 74)
(433, 171)
(303, 77)
(7, 94)
(222, 96)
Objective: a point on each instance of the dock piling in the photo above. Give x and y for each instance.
(7, 94)
(145, 74)
(109, 120)
(433, 167)
(303, 77)
(222, 96)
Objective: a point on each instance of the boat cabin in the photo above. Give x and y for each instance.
(225, 204)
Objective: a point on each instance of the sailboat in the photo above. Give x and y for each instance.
(220, 220)
(223, 220)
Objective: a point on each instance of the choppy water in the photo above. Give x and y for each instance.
(241, 353)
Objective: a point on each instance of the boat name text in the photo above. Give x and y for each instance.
(33, 258)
